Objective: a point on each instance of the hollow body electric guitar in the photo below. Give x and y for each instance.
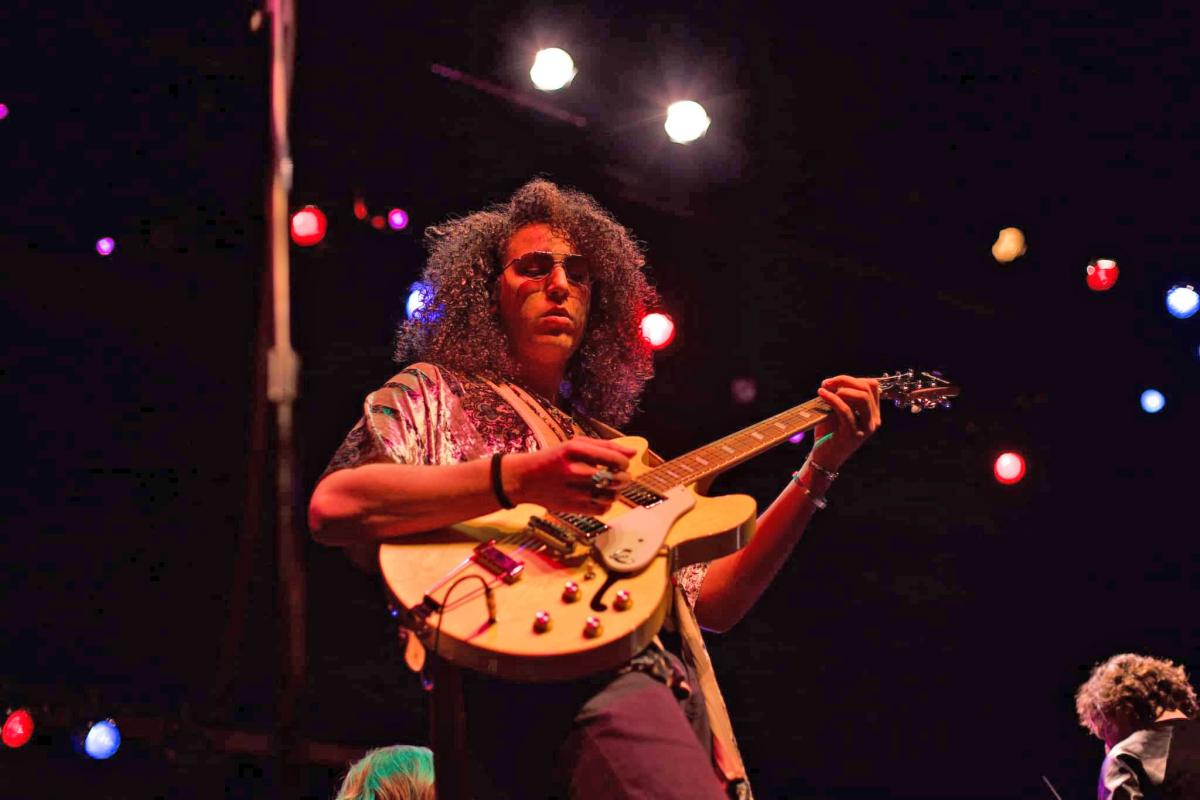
(533, 595)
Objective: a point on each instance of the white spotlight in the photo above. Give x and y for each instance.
(686, 121)
(552, 69)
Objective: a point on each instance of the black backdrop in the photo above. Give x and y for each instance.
(926, 637)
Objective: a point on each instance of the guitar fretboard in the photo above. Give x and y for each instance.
(735, 448)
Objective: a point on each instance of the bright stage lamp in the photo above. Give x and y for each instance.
(1009, 468)
(1182, 301)
(105, 246)
(103, 740)
(658, 329)
(1102, 274)
(552, 69)
(397, 219)
(1153, 401)
(686, 121)
(18, 728)
(308, 226)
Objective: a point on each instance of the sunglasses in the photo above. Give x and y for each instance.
(538, 265)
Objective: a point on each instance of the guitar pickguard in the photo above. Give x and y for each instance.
(634, 538)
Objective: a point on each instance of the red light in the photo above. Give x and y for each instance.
(1009, 468)
(18, 728)
(308, 226)
(377, 222)
(1102, 274)
(658, 330)
(360, 208)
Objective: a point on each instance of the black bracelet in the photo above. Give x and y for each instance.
(498, 485)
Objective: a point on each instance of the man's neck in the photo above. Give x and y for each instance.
(543, 380)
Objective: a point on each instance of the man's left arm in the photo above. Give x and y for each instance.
(734, 583)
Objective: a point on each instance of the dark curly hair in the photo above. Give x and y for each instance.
(1127, 692)
(459, 326)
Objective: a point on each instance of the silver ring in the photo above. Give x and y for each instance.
(602, 478)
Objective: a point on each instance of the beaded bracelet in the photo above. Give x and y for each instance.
(829, 474)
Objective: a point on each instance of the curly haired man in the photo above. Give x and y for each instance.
(527, 350)
(1144, 710)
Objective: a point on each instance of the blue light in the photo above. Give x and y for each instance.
(1182, 301)
(102, 740)
(1153, 401)
(418, 295)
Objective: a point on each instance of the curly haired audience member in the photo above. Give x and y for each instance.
(1144, 710)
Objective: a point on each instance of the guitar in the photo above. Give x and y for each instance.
(529, 594)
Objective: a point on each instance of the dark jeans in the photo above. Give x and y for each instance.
(622, 735)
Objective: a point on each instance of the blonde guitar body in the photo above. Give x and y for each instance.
(635, 553)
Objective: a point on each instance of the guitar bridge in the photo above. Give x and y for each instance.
(497, 562)
(557, 538)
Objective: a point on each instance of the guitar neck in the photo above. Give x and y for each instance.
(715, 458)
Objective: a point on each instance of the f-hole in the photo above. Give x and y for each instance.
(598, 599)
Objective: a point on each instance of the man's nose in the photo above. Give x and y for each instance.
(557, 284)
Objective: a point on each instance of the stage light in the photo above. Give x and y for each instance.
(360, 208)
(686, 121)
(1153, 401)
(658, 329)
(18, 728)
(397, 219)
(377, 222)
(1102, 274)
(103, 740)
(743, 390)
(3, 111)
(1009, 468)
(417, 296)
(796, 438)
(552, 69)
(1009, 245)
(105, 246)
(308, 226)
(1182, 301)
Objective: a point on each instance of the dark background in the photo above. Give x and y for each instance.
(925, 639)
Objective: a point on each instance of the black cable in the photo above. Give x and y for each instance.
(437, 632)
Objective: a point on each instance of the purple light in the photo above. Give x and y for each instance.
(105, 246)
(3, 111)
(797, 439)
(398, 219)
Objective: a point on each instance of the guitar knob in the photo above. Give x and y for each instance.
(593, 628)
(570, 592)
(622, 601)
(542, 622)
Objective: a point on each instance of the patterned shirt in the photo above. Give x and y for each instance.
(432, 415)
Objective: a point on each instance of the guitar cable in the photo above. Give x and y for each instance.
(489, 596)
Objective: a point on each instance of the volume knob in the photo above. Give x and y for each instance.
(570, 592)
(593, 627)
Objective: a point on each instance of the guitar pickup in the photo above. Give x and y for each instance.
(553, 536)
(495, 561)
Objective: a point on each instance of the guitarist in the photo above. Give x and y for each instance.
(529, 347)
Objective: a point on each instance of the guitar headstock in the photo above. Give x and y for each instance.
(920, 391)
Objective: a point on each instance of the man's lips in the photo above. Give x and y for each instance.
(557, 313)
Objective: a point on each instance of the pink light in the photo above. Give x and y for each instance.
(105, 246)
(658, 329)
(3, 111)
(1009, 468)
(797, 438)
(308, 226)
(398, 219)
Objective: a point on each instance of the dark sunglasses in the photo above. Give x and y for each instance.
(538, 265)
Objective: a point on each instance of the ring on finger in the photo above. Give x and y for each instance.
(601, 479)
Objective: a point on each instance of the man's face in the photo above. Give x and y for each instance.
(544, 319)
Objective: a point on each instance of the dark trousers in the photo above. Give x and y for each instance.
(622, 735)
